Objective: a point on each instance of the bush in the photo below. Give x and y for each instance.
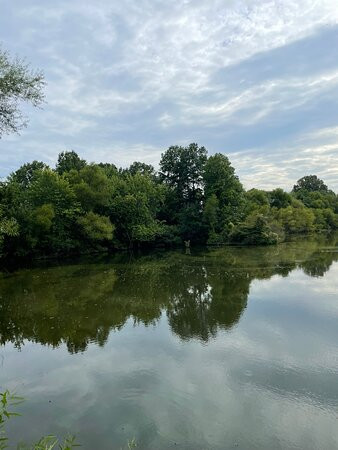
(254, 231)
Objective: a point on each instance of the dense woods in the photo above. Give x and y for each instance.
(80, 207)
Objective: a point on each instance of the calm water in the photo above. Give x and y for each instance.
(217, 349)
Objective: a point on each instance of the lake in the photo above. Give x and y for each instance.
(224, 348)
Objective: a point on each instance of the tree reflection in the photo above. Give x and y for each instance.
(200, 293)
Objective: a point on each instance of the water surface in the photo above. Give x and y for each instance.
(216, 349)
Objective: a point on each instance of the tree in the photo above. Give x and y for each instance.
(257, 197)
(220, 180)
(182, 169)
(44, 216)
(95, 227)
(141, 168)
(134, 209)
(92, 187)
(211, 211)
(254, 231)
(68, 161)
(109, 169)
(296, 219)
(280, 199)
(8, 227)
(48, 213)
(24, 175)
(310, 183)
(18, 83)
(80, 207)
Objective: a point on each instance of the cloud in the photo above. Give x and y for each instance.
(126, 80)
(285, 165)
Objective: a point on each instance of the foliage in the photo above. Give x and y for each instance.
(224, 194)
(211, 211)
(91, 186)
(296, 219)
(310, 183)
(24, 175)
(79, 207)
(49, 442)
(141, 168)
(182, 169)
(256, 198)
(9, 401)
(254, 231)
(279, 199)
(96, 227)
(134, 206)
(68, 161)
(18, 83)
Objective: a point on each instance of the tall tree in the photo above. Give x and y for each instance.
(18, 84)
(220, 180)
(182, 169)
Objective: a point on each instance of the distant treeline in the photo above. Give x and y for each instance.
(80, 207)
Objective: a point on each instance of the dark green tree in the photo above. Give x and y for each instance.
(141, 168)
(68, 161)
(109, 169)
(24, 175)
(310, 183)
(182, 169)
(280, 199)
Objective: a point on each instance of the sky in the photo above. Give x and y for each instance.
(256, 80)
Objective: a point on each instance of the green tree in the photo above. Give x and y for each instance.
(96, 227)
(68, 161)
(255, 230)
(141, 168)
(109, 169)
(310, 183)
(220, 180)
(296, 219)
(8, 227)
(44, 216)
(48, 213)
(92, 187)
(18, 84)
(211, 211)
(182, 169)
(134, 209)
(279, 198)
(256, 198)
(24, 175)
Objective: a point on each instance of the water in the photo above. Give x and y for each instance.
(217, 349)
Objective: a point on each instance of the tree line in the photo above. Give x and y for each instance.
(80, 207)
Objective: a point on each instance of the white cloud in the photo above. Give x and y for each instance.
(271, 167)
(130, 67)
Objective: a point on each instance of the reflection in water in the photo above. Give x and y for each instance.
(201, 292)
(217, 349)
